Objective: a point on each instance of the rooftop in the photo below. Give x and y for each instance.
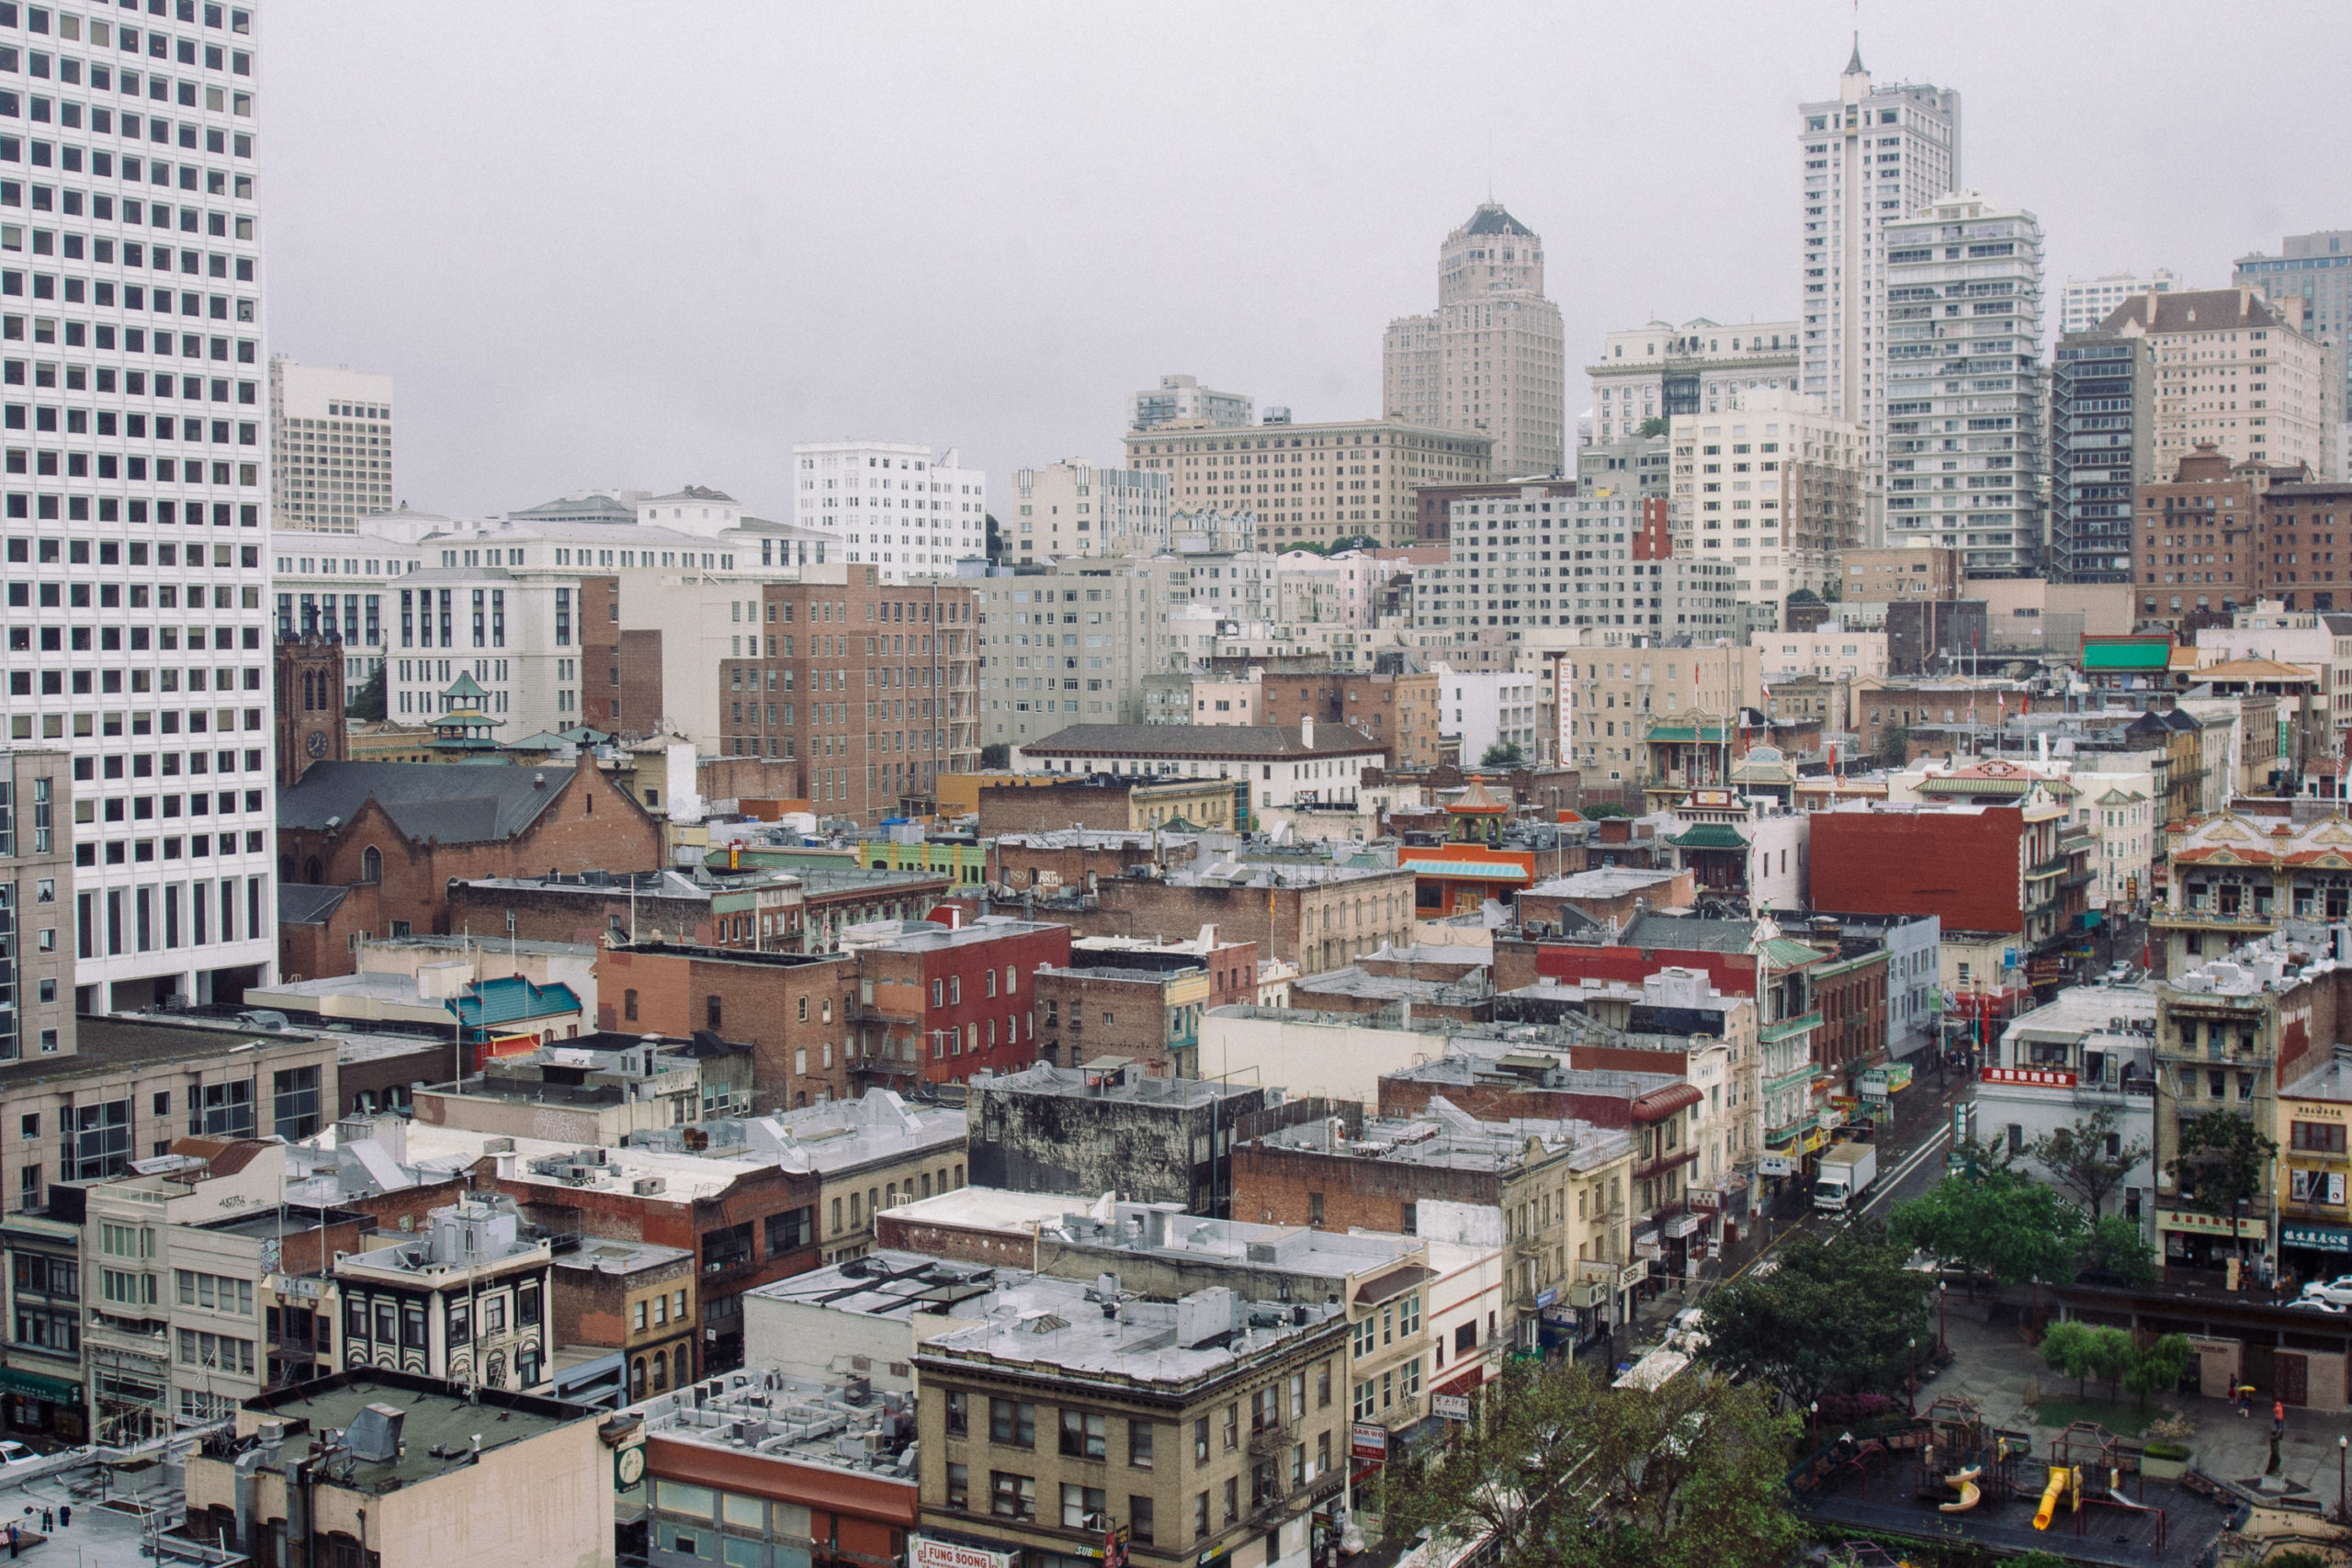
(1226, 742)
(1079, 1083)
(605, 1256)
(1162, 1230)
(1450, 1137)
(425, 800)
(2330, 1080)
(846, 1134)
(112, 1044)
(989, 1208)
(1356, 981)
(437, 1424)
(796, 1420)
(2088, 1009)
(886, 1283)
(1607, 882)
(1060, 1327)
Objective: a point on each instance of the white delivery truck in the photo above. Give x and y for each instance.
(1847, 1172)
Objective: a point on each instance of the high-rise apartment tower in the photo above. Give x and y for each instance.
(1871, 156)
(330, 446)
(137, 485)
(1489, 360)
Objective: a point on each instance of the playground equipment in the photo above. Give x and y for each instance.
(2066, 1480)
(1958, 1439)
(1964, 1482)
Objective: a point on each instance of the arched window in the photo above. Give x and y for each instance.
(637, 1379)
(660, 1371)
(310, 871)
(685, 1365)
(371, 864)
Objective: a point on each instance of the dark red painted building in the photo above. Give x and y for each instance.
(957, 1000)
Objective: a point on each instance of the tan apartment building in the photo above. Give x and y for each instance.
(1314, 483)
(1613, 690)
(869, 1154)
(2195, 538)
(1883, 576)
(1209, 1428)
(37, 942)
(1773, 488)
(2230, 372)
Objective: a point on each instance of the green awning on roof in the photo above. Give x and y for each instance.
(2138, 654)
(464, 686)
(1711, 735)
(1787, 952)
(1709, 836)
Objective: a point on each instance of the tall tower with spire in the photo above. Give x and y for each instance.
(1489, 358)
(1871, 156)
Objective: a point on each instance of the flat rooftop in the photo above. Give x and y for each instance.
(1154, 1230)
(105, 1046)
(1451, 1139)
(611, 1256)
(799, 1421)
(893, 1284)
(439, 1422)
(1057, 1326)
(1604, 881)
(1354, 981)
(2088, 1009)
(990, 1209)
(1078, 1083)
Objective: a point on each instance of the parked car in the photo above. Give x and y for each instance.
(2302, 1303)
(2118, 972)
(2337, 1291)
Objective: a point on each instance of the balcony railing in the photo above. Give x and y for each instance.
(1273, 1439)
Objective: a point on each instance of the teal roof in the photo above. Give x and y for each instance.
(581, 735)
(464, 686)
(1709, 836)
(512, 999)
(2140, 653)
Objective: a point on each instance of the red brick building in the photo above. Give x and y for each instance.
(395, 835)
(870, 686)
(1067, 859)
(962, 1000)
(793, 1010)
(2304, 547)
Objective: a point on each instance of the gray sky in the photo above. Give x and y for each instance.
(651, 244)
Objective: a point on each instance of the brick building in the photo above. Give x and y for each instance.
(1318, 917)
(761, 910)
(2303, 561)
(633, 1297)
(870, 686)
(956, 1002)
(395, 835)
(2197, 541)
(1110, 1130)
(1067, 859)
(793, 1010)
(1151, 1017)
(1103, 803)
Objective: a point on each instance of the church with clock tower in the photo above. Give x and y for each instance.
(309, 705)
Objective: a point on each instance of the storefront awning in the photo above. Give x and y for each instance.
(2318, 1238)
(33, 1385)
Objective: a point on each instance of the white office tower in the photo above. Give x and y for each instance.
(1874, 155)
(2090, 300)
(1489, 360)
(892, 504)
(330, 446)
(1963, 396)
(137, 485)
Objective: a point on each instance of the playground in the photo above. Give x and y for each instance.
(1949, 1475)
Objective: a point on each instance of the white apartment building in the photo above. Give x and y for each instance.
(1661, 370)
(1073, 507)
(2229, 369)
(892, 503)
(2087, 301)
(1870, 157)
(1482, 710)
(1549, 560)
(1831, 652)
(1773, 489)
(331, 444)
(334, 586)
(1182, 400)
(1314, 481)
(1490, 359)
(1962, 420)
(1334, 590)
(137, 489)
(1074, 646)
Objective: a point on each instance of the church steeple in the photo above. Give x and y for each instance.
(1854, 67)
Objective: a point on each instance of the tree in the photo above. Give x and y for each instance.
(2115, 1245)
(996, 756)
(1503, 754)
(1605, 808)
(1835, 1317)
(1995, 1221)
(1894, 743)
(2066, 1348)
(1652, 428)
(2089, 1158)
(2156, 1369)
(1561, 1471)
(996, 544)
(2222, 1164)
(368, 702)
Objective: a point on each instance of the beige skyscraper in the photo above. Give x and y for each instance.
(331, 446)
(1489, 360)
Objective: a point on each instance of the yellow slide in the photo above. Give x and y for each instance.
(1964, 1482)
(2060, 1480)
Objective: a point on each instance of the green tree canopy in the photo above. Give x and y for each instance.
(2115, 1245)
(2089, 1159)
(1997, 1222)
(367, 702)
(1835, 1317)
(1566, 1472)
(1503, 754)
(2222, 1164)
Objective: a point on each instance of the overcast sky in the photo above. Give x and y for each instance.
(649, 244)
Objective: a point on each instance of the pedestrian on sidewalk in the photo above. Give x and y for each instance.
(2277, 1416)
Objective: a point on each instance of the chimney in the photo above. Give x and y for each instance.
(1306, 731)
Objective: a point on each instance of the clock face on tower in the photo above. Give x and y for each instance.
(317, 744)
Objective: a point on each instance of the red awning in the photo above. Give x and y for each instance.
(1660, 1103)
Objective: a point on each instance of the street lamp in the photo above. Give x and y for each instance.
(2342, 1445)
(1813, 1423)
(1911, 1381)
(1942, 1288)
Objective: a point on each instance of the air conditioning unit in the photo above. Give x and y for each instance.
(1590, 1294)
